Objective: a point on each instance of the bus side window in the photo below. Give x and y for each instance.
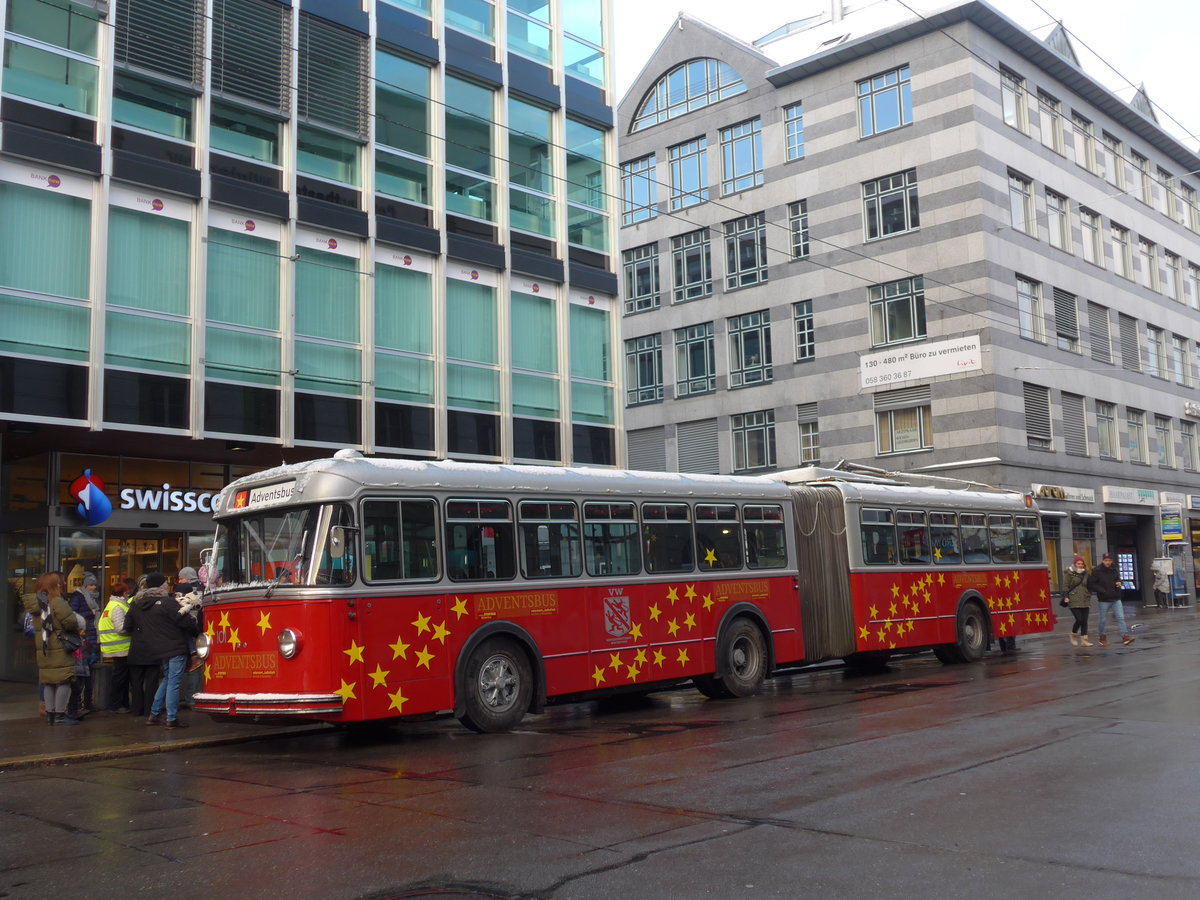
(1029, 539)
(718, 536)
(611, 539)
(337, 559)
(480, 541)
(943, 537)
(766, 540)
(1003, 540)
(974, 538)
(549, 535)
(914, 538)
(418, 529)
(667, 537)
(878, 537)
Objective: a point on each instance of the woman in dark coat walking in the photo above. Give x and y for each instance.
(145, 665)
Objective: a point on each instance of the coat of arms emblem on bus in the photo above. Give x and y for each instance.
(93, 505)
(616, 615)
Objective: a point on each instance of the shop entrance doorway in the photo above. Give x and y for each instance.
(130, 554)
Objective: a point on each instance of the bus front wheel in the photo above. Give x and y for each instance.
(499, 684)
(741, 663)
(971, 628)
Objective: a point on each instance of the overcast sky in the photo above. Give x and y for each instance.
(1156, 45)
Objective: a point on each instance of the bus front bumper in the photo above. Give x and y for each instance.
(268, 704)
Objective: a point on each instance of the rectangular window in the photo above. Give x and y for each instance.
(753, 440)
(639, 192)
(528, 31)
(1190, 214)
(1127, 329)
(641, 278)
(1181, 366)
(1135, 425)
(1058, 221)
(1142, 186)
(50, 54)
(1013, 100)
(1193, 285)
(643, 370)
(587, 201)
(1038, 432)
(1089, 225)
(1164, 445)
(691, 257)
(890, 205)
(1148, 263)
(400, 540)
(610, 539)
(1066, 320)
(750, 349)
(810, 434)
(689, 173)
(745, 251)
(1032, 318)
(1187, 445)
(1100, 333)
(897, 311)
(1050, 111)
(903, 420)
(1165, 189)
(333, 65)
(1114, 168)
(667, 537)
(1074, 425)
(479, 540)
(1156, 352)
(1173, 280)
(1085, 145)
(798, 223)
(766, 539)
(718, 536)
(1108, 442)
(469, 146)
(531, 204)
(884, 102)
(806, 342)
(549, 539)
(741, 156)
(1020, 204)
(1122, 254)
(695, 361)
(793, 129)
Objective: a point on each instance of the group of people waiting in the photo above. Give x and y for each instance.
(145, 635)
(1105, 582)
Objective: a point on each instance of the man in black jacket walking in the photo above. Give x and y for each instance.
(160, 629)
(1105, 581)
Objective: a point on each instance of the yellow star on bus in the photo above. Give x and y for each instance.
(672, 595)
(632, 672)
(937, 553)
(421, 623)
(264, 623)
(614, 661)
(1028, 618)
(659, 658)
(892, 610)
(655, 612)
(863, 632)
(346, 691)
(598, 675)
(460, 607)
(874, 611)
(682, 658)
(673, 627)
(710, 556)
(207, 671)
(1012, 620)
(708, 601)
(941, 577)
(689, 593)
(423, 657)
(379, 676)
(635, 631)
(211, 630)
(1003, 627)
(690, 621)
(224, 623)
(895, 589)
(399, 649)
(882, 635)
(640, 656)
(355, 651)
(439, 632)
(234, 639)
(398, 700)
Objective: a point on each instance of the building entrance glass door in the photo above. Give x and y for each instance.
(131, 554)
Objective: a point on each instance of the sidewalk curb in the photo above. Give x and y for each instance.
(145, 748)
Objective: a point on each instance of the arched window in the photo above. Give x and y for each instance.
(687, 87)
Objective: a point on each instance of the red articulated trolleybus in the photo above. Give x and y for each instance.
(355, 589)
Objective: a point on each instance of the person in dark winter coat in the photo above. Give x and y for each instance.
(1105, 581)
(1079, 599)
(86, 602)
(160, 629)
(56, 667)
(144, 667)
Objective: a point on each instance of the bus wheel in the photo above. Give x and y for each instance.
(742, 655)
(972, 629)
(499, 684)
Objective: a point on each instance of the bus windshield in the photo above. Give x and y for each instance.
(271, 546)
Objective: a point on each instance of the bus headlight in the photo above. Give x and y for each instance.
(202, 645)
(290, 643)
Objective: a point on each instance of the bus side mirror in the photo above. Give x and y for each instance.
(337, 541)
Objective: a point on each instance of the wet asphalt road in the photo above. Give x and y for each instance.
(1055, 773)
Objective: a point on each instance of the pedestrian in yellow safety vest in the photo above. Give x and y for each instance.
(114, 644)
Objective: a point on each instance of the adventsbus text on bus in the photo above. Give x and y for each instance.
(354, 589)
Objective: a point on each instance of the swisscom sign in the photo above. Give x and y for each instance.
(94, 506)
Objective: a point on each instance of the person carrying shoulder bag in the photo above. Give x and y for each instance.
(1078, 596)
